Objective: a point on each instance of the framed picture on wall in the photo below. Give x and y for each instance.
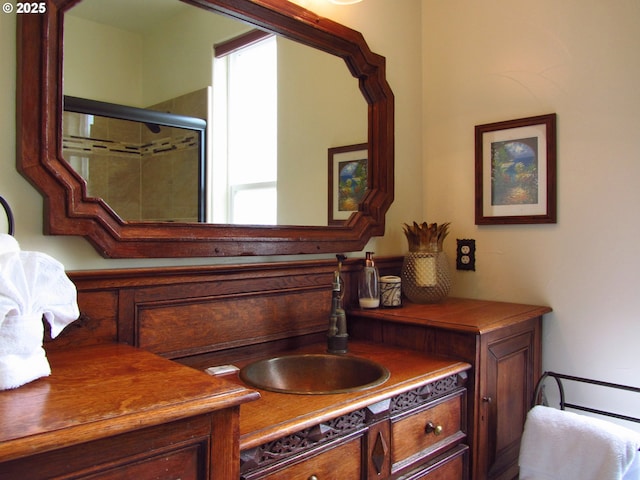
(348, 180)
(515, 171)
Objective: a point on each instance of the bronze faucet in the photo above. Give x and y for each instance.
(337, 335)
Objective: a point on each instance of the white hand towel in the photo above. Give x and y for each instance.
(32, 285)
(8, 244)
(22, 358)
(561, 445)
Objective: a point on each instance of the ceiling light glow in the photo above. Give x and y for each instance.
(345, 2)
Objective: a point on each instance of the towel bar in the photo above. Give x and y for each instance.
(539, 397)
(9, 213)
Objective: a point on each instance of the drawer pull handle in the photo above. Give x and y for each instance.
(487, 399)
(431, 428)
(312, 477)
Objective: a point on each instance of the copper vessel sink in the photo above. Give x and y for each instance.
(314, 374)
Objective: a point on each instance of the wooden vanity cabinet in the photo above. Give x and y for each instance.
(502, 342)
(418, 434)
(112, 412)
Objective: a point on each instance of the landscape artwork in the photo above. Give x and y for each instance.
(352, 184)
(514, 172)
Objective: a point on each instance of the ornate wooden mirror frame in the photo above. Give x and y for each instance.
(69, 211)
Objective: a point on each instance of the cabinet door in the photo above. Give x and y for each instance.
(511, 365)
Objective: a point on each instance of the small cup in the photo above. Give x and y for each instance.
(390, 291)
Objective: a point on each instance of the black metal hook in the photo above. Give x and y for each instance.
(9, 213)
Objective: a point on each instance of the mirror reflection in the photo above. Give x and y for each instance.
(272, 111)
(147, 165)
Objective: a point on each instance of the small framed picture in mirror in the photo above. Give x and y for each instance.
(348, 180)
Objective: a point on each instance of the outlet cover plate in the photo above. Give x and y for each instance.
(466, 254)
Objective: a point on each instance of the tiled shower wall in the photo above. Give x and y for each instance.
(142, 175)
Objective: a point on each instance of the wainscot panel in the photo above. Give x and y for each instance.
(210, 313)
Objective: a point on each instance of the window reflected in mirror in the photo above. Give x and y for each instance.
(245, 173)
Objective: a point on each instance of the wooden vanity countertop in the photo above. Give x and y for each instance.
(457, 314)
(275, 415)
(103, 390)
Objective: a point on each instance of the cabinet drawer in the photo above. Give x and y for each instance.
(342, 461)
(452, 466)
(164, 452)
(184, 464)
(426, 431)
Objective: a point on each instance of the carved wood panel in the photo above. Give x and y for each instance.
(186, 327)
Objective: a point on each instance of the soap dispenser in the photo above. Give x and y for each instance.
(369, 284)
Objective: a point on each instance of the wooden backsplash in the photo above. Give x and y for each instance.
(205, 314)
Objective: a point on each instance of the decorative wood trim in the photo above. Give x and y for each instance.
(379, 453)
(302, 441)
(413, 398)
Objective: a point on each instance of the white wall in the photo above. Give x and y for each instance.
(172, 68)
(499, 60)
(318, 88)
(105, 61)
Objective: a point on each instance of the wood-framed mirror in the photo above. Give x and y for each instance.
(71, 210)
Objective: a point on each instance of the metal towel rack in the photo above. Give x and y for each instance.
(9, 213)
(540, 397)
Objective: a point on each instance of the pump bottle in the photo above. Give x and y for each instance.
(369, 284)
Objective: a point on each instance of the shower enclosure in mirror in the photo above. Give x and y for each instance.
(146, 164)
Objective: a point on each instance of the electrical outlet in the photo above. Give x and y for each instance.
(466, 254)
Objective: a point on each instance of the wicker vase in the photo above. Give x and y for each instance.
(425, 276)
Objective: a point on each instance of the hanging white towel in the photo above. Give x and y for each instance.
(33, 285)
(561, 445)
